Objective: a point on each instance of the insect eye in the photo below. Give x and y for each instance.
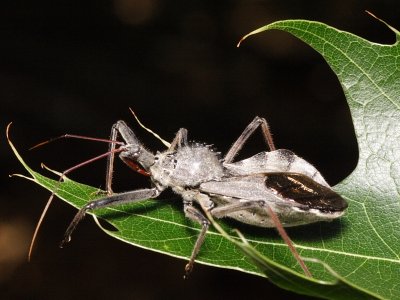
(175, 161)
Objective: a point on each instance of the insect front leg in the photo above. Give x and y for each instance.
(133, 155)
(122, 128)
(116, 199)
(249, 130)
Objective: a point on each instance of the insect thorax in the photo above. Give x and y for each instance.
(188, 166)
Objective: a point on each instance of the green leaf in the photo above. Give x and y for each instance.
(360, 252)
(161, 226)
(365, 251)
(340, 288)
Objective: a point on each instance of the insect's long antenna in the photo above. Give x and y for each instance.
(38, 224)
(63, 174)
(74, 136)
(287, 240)
(167, 144)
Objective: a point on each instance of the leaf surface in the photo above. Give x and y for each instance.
(366, 249)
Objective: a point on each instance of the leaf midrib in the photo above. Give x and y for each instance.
(263, 243)
(321, 250)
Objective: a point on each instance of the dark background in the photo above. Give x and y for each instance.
(77, 66)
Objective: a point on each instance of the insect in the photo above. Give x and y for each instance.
(274, 188)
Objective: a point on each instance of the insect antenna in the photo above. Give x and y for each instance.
(74, 136)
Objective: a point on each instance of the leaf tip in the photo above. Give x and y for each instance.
(43, 166)
(8, 130)
(240, 41)
(13, 147)
(245, 37)
(384, 22)
(258, 30)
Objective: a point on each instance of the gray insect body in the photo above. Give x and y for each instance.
(269, 189)
(187, 167)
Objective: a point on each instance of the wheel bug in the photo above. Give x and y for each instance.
(270, 189)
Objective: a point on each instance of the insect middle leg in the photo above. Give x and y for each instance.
(249, 130)
(196, 215)
(179, 140)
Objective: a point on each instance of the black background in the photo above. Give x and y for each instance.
(77, 66)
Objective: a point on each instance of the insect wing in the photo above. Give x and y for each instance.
(295, 198)
(305, 191)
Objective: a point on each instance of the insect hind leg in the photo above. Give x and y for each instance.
(248, 131)
(222, 211)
